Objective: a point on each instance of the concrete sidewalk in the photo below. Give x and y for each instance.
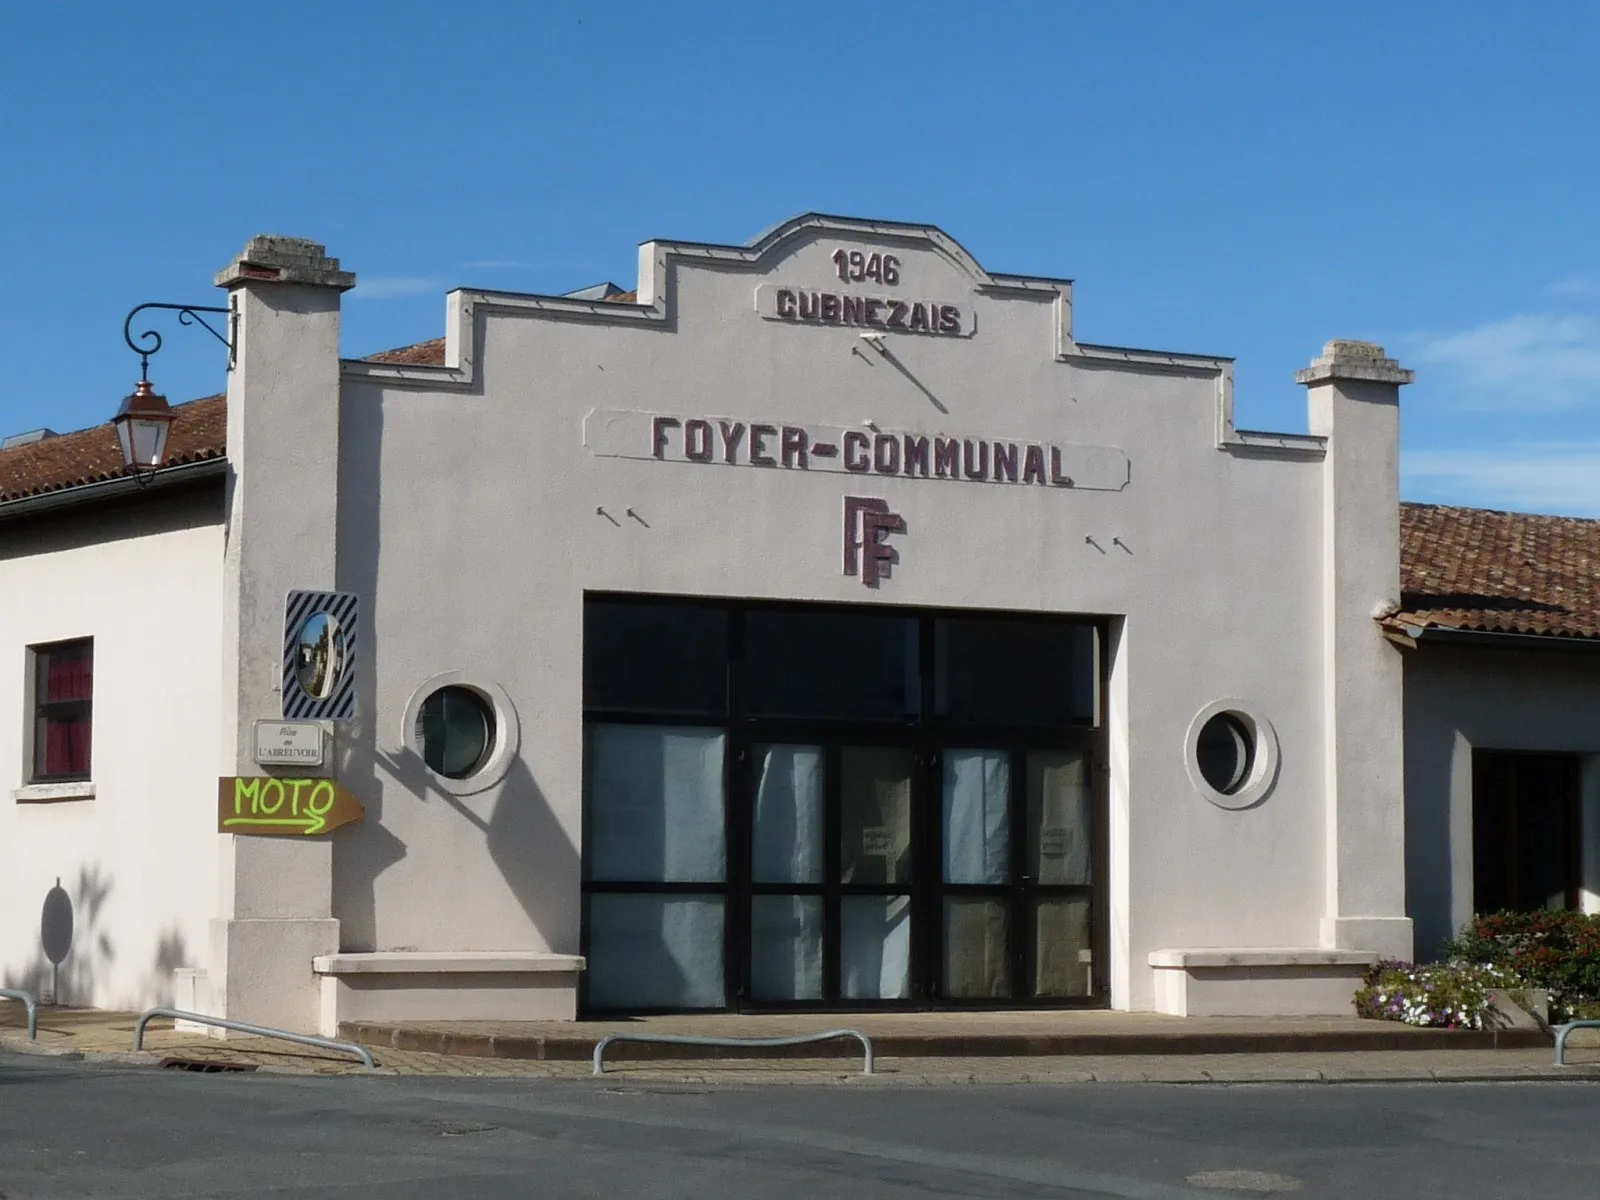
(1154, 1051)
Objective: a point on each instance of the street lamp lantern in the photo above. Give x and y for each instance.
(143, 422)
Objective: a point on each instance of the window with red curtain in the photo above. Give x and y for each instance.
(63, 698)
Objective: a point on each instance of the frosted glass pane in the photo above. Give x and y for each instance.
(786, 947)
(875, 947)
(655, 804)
(976, 945)
(977, 825)
(874, 815)
(1065, 963)
(1059, 817)
(787, 846)
(655, 952)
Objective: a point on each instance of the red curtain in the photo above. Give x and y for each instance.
(66, 746)
(69, 675)
(65, 692)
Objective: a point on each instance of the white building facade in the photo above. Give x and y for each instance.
(822, 626)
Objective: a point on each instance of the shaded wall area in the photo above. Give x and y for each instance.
(1459, 698)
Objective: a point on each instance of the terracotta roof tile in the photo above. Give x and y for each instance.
(1498, 572)
(423, 354)
(199, 431)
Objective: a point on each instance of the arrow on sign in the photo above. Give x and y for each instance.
(270, 806)
(309, 824)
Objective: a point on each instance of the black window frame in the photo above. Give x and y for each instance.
(927, 735)
(41, 710)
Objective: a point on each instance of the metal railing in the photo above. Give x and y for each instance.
(1561, 1037)
(31, 1003)
(283, 1035)
(674, 1039)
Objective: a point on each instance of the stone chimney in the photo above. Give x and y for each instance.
(271, 259)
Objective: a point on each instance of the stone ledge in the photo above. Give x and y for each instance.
(51, 793)
(1221, 957)
(451, 962)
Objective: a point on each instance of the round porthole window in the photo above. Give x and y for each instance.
(1225, 751)
(456, 731)
(1231, 754)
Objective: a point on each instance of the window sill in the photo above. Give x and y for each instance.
(51, 793)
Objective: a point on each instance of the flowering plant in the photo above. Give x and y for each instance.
(1555, 950)
(1450, 995)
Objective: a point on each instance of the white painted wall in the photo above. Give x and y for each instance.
(1458, 698)
(139, 859)
(468, 519)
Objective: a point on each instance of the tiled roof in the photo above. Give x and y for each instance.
(199, 431)
(1484, 571)
(423, 354)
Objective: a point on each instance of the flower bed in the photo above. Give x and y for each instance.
(1558, 952)
(1436, 995)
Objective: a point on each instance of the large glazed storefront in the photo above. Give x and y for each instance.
(791, 806)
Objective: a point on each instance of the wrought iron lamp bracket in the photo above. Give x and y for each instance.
(149, 342)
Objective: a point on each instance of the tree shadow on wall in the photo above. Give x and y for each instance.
(71, 929)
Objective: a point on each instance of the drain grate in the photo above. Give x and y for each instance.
(206, 1066)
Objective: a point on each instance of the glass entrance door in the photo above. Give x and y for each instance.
(831, 873)
(885, 875)
(1017, 875)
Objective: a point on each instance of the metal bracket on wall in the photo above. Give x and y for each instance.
(149, 342)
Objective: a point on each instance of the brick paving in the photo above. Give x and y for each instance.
(108, 1037)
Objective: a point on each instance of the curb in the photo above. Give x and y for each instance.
(39, 1051)
(705, 1072)
(576, 1048)
(695, 1075)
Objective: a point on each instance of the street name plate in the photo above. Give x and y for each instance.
(289, 743)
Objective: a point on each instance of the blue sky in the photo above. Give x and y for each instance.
(1247, 179)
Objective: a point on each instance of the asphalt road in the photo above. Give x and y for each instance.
(76, 1129)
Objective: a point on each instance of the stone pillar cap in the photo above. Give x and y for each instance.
(273, 259)
(1342, 359)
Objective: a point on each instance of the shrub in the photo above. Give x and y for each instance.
(1557, 951)
(1441, 995)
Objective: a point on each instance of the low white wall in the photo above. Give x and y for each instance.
(138, 860)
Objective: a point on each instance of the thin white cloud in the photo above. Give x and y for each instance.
(389, 287)
(1562, 478)
(1574, 286)
(1530, 361)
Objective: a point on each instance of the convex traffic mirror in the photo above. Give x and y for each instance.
(321, 657)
